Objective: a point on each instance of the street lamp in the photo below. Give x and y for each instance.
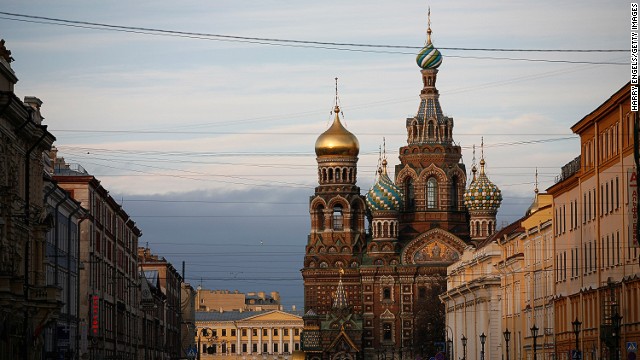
(507, 336)
(576, 330)
(615, 334)
(534, 333)
(464, 347)
(483, 338)
(448, 345)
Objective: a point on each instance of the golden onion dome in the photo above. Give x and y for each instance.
(337, 140)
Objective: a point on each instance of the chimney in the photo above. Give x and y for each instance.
(293, 308)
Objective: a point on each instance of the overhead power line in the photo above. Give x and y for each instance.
(356, 47)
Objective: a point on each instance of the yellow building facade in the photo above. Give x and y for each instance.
(245, 335)
(595, 214)
(526, 269)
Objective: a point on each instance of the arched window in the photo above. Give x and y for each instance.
(454, 192)
(386, 293)
(430, 129)
(354, 217)
(414, 132)
(432, 190)
(338, 218)
(409, 191)
(320, 217)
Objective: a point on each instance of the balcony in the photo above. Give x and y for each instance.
(46, 294)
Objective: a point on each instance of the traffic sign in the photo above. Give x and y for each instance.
(632, 346)
(191, 352)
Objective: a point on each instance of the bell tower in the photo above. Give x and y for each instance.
(431, 174)
(337, 237)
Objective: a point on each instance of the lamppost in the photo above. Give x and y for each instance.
(448, 345)
(483, 338)
(464, 347)
(507, 337)
(534, 333)
(615, 334)
(576, 330)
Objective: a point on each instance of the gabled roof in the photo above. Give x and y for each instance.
(343, 335)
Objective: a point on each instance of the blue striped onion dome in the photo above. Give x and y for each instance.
(384, 195)
(482, 193)
(429, 57)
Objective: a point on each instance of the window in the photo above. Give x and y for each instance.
(285, 332)
(617, 194)
(430, 129)
(286, 347)
(254, 348)
(244, 348)
(224, 332)
(244, 332)
(432, 189)
(454, 192)
(296, 346)
(386, 332)
(275, 332)
(265, 348)
(275, 347)
(215, 332)
(233, 348)
(386, 293)
(233, 332)
(320, 217)
(296, 332)
(410, 193)
(422, 292)
(264, 332)
(338, 220)
(254, 332)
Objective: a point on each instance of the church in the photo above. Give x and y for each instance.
(373, 262)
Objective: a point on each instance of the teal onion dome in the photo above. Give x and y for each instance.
(482, 193)
(384, 195)
(429, 57)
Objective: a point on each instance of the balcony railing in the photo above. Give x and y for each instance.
(569, 170)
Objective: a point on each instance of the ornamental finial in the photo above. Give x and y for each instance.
(429, 26)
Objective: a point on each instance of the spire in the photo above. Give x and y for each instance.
(474, 169)
(336, 108)
(384, 156)
(429, 26)
(340, 297)
(536, 189)
(482, 156)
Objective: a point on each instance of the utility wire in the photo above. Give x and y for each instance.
(304, 43)
(301, 41)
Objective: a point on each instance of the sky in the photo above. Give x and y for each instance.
(208, 141)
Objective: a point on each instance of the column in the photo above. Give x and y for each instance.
(259, 340)
(270, 349)
(291, 340)
(238, 338)
(280, 334)
(249, 344)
